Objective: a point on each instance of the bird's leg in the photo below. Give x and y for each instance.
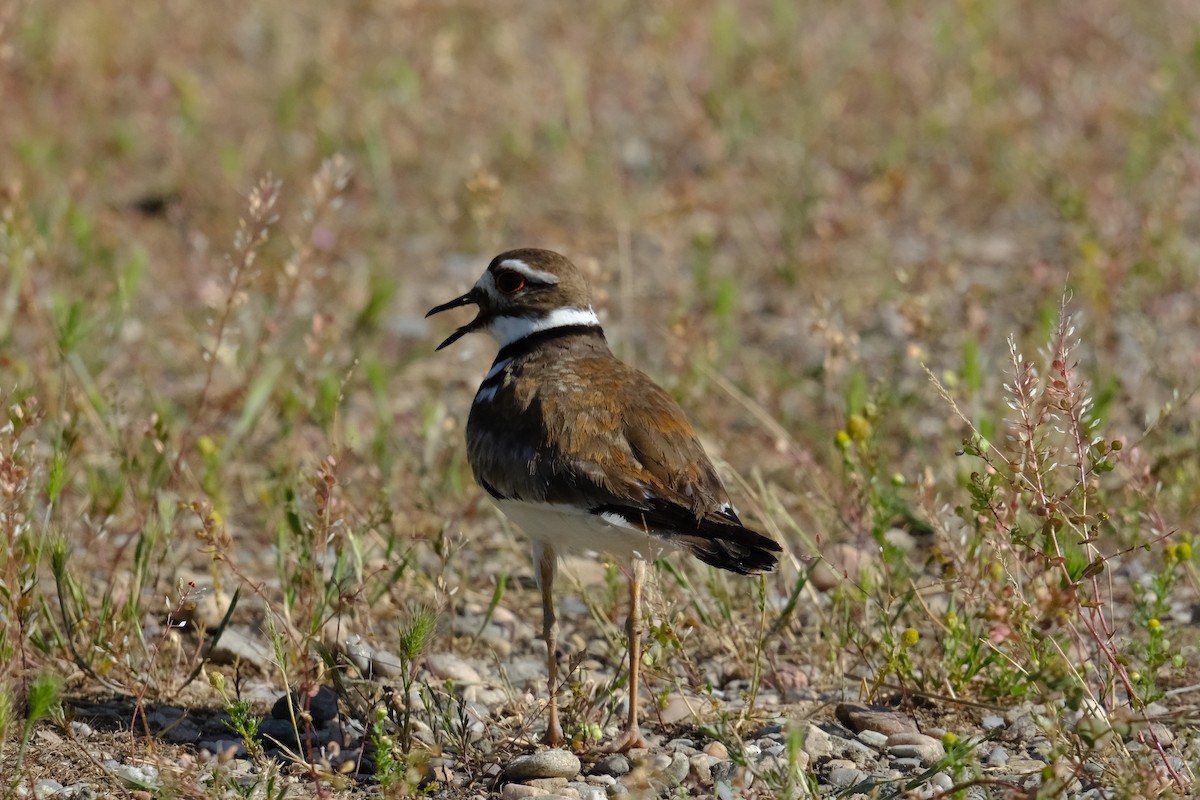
(547, 564)
(631, 737)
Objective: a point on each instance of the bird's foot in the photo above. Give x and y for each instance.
(553, 736)
(630, 739)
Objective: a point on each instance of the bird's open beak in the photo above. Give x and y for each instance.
(465, 300)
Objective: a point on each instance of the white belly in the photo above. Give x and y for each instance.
(566, 528)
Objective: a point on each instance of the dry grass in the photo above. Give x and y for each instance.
(788, 212)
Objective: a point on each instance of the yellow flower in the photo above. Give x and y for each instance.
(859, 428)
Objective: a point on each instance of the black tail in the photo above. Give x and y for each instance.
(719, 541)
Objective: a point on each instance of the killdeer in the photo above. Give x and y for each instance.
(584, 452)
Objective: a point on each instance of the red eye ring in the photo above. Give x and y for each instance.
(510, 281)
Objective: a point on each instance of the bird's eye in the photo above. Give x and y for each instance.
(510, 282)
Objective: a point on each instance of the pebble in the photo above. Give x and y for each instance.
(942, 781)
(677, 770)
(701, 768)
(872, 739)
(845, 777)
(234, 646)
(47, 787)
(322, 706)
(916, 745)
(614, 765)
(546, 764)
(992, 722)
(997, 757)
(547, 784)
(588, 791)
(858, 717)
(723, 772)
(145, 775)
(817, 743)
(717, 750)
(854, 750)
(448, 666)
(517, 791)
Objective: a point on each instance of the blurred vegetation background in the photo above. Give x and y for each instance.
(787, 209)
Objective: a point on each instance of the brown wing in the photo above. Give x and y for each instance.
(614, 443)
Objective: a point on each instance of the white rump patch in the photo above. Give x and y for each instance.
(506, 330)
(517, 265)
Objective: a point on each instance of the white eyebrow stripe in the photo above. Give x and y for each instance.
(517, 265)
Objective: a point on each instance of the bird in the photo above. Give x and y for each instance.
(586, 453)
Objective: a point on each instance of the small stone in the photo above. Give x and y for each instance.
(681, 744)
(385, 664)
(614, 765)
(991, 722)
(701, 768)
(677, 771)
(997, 757)
(47, 787)
(548, 784)
(546, 764)
(845, 777)
(717, 750)
(722, 772)
(587, 791)
(872, 739)
(1161, 732)
(854, 750)
(234, 646)
(817, 743)
(322, 706)
(916, 745)
(448, 666)
(942, 781)
(517, 791)
(768, 730)
(679, 708)
(358, 650)
(859, 717)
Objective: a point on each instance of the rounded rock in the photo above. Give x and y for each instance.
(717, 750)
(998, 757)
(915, 745)
(872, 738)
(817, 743)
(546, 764)
(614, 765)
(845, 777)
(858, 717)
(448, 666)
(677, 770)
